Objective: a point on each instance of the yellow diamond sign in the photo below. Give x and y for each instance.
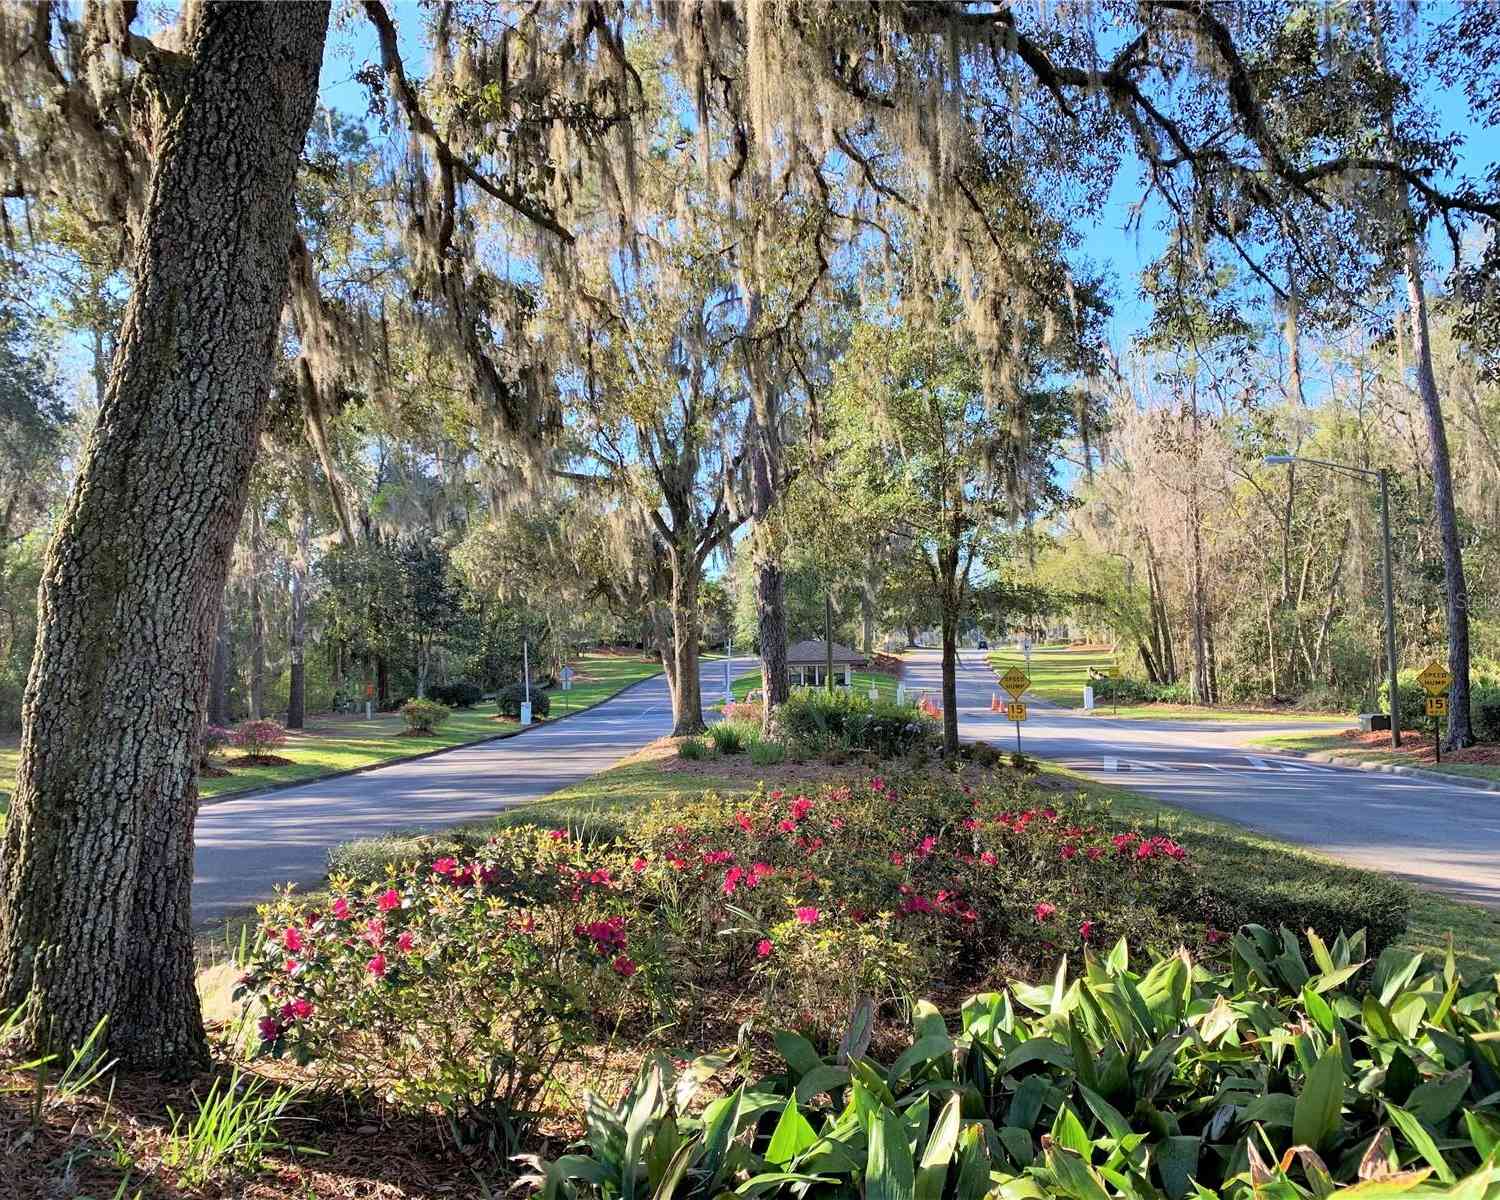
(1437, 706)
(1015, 681)
(1434, 678)
(1015, 712)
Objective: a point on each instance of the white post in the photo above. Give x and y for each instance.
(1088, 698)
(728, 664)
(526, 683)
(901, 693)
(369, 710)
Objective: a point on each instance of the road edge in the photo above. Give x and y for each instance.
(1334, 759)
(269, 789)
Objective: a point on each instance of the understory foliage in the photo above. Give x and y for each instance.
(258, 738)
(464, 980)
(1301, 1070)
(815, 719)
(424, 716)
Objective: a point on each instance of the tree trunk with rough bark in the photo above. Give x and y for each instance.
(218, 680)
(687, 698)
(257, 620)
(95, 917)
(296, 705)
(766, 547)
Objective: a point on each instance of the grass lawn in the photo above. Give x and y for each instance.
(863, 680)
(343, 742)
(1413, 754)
(1475, 930)
(1058, 673)
(1196, 712)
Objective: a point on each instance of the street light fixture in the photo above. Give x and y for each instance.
(1384, 478)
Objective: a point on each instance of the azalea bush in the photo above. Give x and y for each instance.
(257, 738)
(215, 739)
(424, 716)
(457, 984)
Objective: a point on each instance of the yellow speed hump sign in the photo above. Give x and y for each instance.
(1015, 712)
(1434, 678)
(1015, 681)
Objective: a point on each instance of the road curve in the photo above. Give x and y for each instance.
(246, 846)
(1442, 836)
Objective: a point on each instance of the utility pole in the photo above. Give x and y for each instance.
(828, 638)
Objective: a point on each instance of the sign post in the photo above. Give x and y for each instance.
(1114, 692)
(525, 684)
(1016, 681)
(1435, 680)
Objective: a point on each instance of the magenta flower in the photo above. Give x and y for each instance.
(270, 1028)
(291, 940)
(405, 942)
(444, 866)
(389, 899)
(764, 947)
(808, 915)
(1044, 911)
(1086, 930)
(341, 909)
(558, 835)
(624, 966)
(376, 966)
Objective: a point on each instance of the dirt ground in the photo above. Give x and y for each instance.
(1418, 745)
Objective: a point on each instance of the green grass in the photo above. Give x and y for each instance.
(886, 684)
(1197, 712)
(1236, 851)
(1306, 743)
(1057, 674)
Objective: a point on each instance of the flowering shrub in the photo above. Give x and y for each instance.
(215, 738)
(424, 716)
(460, 983)
(742, 710)
(257, 738)
(817, 720)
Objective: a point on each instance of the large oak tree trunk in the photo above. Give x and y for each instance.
(767, 546)
(687, 698)
(95, 917)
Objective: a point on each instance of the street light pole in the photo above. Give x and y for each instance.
(1390, 606)
(1384, 477)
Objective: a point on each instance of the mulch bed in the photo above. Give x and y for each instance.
(259, 760)
(213, 772)
(1419, 746)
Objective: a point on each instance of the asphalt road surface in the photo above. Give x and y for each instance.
(1444, 836)
(246, 846)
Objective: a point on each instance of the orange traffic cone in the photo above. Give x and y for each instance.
(994, 702)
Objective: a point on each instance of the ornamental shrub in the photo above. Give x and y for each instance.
(456, 695)
(509, 700)
(1292, 1074)
(257, 738)
(815, 720)
(215, 739)
(424, 716)
(460, 985)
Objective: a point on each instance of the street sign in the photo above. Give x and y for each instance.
(1437, 706)
(1434, 678)
(1015, 712)
(1015, 681)
(567, 678)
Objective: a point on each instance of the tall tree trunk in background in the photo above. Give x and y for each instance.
(296, 703)
(687, 698)
(766, 543)
(95, 916)
(1455, 585)
(257, 619)
(218, 679)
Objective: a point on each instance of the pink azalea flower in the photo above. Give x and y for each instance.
(1068, 851)
(744, 822)
(638, 865)
(341, 909)
(1086, 930)
(1044, 911)
(558, 835)
(624, 966)
(987, 857)
(763, 948)
(444, 866)
(297, 1010)
(375, 932)
(405, 942)
(732, 879)
(1215, 936)
(1095, 853)
(270, 1029)
(808, 915)
(291, 940)
(786, 825)
(801, 806)
(376, 966)
(836, 824)
(898, 859)
(389, 899)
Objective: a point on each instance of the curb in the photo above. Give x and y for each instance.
(1335, 759)
(271, 788)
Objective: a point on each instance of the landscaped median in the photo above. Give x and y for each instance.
(1094, 1007)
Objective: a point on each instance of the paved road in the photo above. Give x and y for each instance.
(1439, 835)
(246, 846)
